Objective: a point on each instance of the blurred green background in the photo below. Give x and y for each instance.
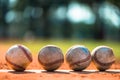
(36, 23)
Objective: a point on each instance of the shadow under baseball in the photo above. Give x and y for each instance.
(54, 72)
(96, 71)
(66, 72)
(85, 72)
(21, 72)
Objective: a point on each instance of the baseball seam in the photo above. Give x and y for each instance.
(25, 52)
(81, 61)
(100, 63)
(15, 65)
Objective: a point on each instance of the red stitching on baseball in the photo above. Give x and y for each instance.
(25, 52)
(81, 61)
(100, 63)
(20, 67)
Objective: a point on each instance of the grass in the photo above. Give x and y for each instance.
(36, 45)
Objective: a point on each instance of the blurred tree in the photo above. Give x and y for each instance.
(45, 21)
(116, 2)
(21, 4)
(98, 27)
(46, 4)
(67, 29)
(41, 25)
(3, 12)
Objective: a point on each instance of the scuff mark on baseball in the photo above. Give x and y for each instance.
(78, 57)
(103, 57)
(18, 57)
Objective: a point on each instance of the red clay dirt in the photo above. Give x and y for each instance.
(35, 72)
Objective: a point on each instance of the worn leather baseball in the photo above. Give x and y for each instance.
(18, 57)
(103, 57)
(78, 57)
(50, 57)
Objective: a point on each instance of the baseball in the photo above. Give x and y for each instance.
(18, 57)
(78, 57)
(50, 57)
(103, 57)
